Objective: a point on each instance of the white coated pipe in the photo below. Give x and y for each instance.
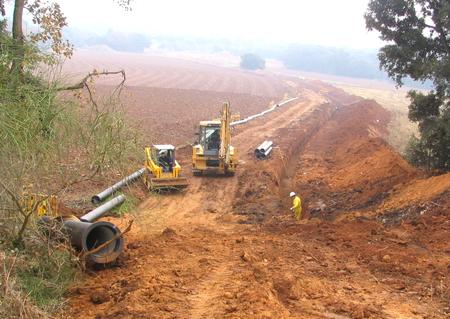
(264, 149)
(127, 180)
(95, 214)
(247, 119)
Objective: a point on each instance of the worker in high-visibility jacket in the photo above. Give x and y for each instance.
(296, 205)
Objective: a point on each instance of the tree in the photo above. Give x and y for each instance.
(34, 122)
(252, 62)
(48, 144)
(419, 48)
(51, 20)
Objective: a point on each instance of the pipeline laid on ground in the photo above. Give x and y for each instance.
(264, 150)
(103, 209)
(127, 180)
(87, 234)
(252, 117)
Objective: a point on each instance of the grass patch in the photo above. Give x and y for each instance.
(46, 279)
(127, 206)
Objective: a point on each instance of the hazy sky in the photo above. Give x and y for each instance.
(325, 22)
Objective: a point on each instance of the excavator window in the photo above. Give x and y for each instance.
(214, 140)
(210, 138)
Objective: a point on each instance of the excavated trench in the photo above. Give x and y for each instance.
(257, 198)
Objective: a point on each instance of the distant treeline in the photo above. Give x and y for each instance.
(119, 41)
(363, 64)
(343, 62)
(311, 58)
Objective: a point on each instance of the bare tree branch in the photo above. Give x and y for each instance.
(77, 181)
(14, 198)
(83, 82)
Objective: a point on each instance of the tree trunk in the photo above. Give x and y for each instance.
(2, 8)
(17, 20)
(17, 65)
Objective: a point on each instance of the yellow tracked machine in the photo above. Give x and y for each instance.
(213, 152)
(163, 171)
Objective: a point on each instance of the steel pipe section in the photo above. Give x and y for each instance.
(264, 150)
(95, 214)
(252, 117)
(88, 236)
(127, 180)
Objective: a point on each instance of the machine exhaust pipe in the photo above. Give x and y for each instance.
(127, 180)
(264, 150)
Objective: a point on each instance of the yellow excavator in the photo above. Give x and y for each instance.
(213, 152)
(42, 204)
(163, 171)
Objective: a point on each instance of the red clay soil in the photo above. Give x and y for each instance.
(419, 190)
(228, 247)
(348, 164)
(170, 115)
(168, 104)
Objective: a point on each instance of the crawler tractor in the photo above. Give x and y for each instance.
(163, 171)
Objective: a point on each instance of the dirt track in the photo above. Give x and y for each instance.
(229, 248)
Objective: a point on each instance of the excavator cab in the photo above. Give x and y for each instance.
(163, 171)
(210, 138)
(165, 158)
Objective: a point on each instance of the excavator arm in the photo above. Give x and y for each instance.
(225, 135)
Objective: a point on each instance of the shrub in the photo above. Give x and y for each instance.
(251, 61)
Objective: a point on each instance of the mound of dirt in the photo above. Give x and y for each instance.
(347, 164)
(418, 190)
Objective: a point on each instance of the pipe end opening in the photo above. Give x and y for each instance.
(95, 200)
(99, 234)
